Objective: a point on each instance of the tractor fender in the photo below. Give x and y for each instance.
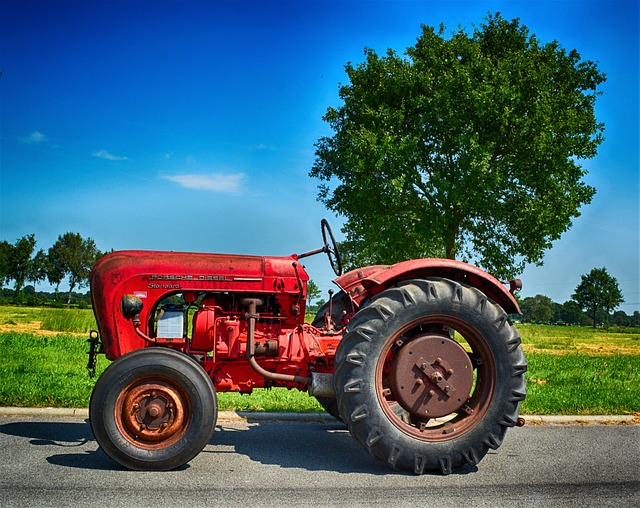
(368, 281)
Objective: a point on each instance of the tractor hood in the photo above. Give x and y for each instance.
(191, 270)
(153, 275)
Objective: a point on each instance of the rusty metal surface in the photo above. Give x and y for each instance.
(152, 414)
(432, 376)
(372, 279)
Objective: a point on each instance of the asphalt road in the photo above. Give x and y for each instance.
(48, 461)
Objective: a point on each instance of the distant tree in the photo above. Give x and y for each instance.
(20, 262)
(571, 313)
(598, 291)
(557, 312)
(73, 256)
(5, 252)
(38, 268)
(538, 309)
(55, 268)
(620, 318)
(468, 148)
(313, 292)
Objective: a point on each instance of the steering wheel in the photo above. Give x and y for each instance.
(331, 247)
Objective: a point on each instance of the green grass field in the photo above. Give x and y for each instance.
(571, 370)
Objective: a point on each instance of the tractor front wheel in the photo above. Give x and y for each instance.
(429, 375)
(153, 409)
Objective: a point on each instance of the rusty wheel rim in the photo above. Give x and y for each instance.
(434, 387)
(152, 414)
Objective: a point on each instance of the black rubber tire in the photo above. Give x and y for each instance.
(330, 405)
(390, 321)
(160, 376)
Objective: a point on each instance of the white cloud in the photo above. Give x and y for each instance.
(34, 138)
(212, 182)
(262, 146)
(103, 154)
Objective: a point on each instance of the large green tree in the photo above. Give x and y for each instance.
(598, 292)
(467, 147)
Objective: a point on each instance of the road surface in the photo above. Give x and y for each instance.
(48, 461)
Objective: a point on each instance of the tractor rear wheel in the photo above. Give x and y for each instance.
(153, 409)
(429, 375)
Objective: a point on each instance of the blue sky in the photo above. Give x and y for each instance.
(178, 125)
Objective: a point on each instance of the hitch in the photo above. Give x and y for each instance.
(95, 348)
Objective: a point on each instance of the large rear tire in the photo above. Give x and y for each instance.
(153, 409)
(429, 375)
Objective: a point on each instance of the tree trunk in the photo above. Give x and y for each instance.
(69, 296)
(450, 248)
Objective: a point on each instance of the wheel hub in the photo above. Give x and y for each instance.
(431, 376)
(152, 413)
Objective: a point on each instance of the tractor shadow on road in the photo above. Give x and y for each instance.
(306, 446)
(63, 435)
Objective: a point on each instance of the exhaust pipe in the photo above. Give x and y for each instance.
(252, 316)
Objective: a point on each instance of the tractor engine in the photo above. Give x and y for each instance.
(216, 329)
(243, 322)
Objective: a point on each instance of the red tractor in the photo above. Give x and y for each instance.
(419, 359)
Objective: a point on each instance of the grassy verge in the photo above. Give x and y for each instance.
(45, 371)
(69, 320)
(42, 320)
(571, 370)
(580, 384)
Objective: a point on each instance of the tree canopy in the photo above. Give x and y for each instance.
(466, 147)
(15, 261)
(598, 292)
(74, 256)
(71, 256)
